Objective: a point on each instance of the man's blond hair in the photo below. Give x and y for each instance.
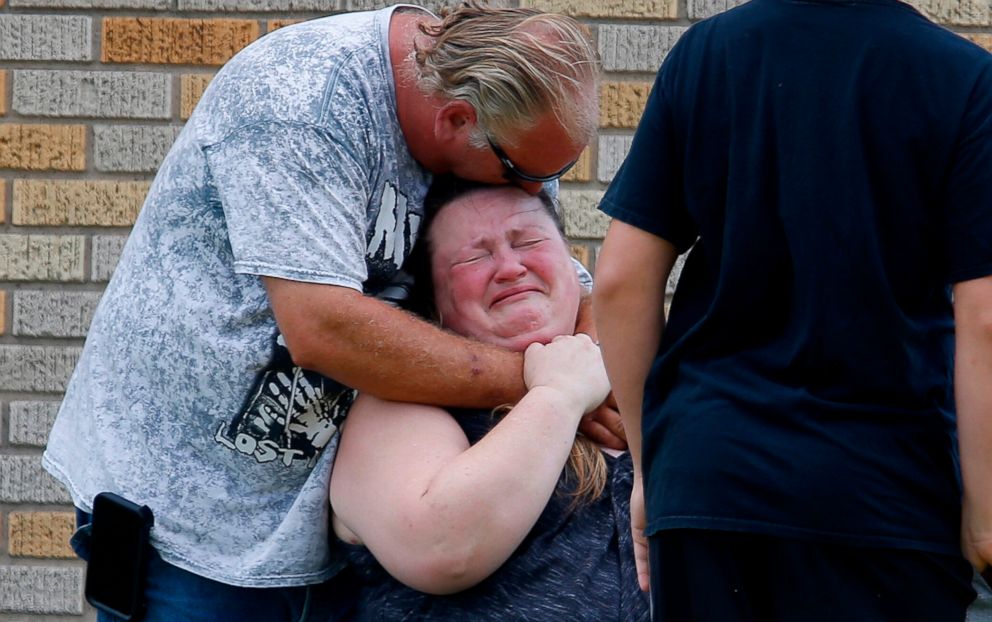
(513, 66)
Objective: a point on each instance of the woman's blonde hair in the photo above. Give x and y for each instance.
(512, 65)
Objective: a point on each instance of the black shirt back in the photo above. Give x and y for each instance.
(830, 163)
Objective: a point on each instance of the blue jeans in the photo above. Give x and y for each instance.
(173, 594)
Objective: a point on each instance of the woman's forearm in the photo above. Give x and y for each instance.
(480, 506)
(441, 515)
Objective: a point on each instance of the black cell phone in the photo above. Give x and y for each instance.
(115, 573)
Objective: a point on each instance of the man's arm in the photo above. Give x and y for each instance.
(628, 304)
(973, 396)
(371, 346)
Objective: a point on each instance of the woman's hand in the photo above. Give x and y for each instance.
(571, 365)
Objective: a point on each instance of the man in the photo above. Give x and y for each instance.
(828, 162)
(214, 376)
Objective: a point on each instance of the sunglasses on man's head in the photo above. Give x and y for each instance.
(513, 172)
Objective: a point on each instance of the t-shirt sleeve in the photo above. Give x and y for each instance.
(295, 199)
(968, 215)
(647, 190)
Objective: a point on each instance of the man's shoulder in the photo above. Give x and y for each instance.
(331, 32)
(315, 47)
(299, 75)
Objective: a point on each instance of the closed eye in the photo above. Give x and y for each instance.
(473, 258)
(528, 242)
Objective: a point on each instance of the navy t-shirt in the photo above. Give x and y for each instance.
(830, 164)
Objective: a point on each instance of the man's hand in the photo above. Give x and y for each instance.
(638, 522)
(976, 544)
(977, 550)
(604, 426)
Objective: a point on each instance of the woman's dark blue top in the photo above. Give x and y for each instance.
(575, 565)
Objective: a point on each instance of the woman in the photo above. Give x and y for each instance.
(467, 515)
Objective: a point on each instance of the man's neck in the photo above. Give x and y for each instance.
(414, 108)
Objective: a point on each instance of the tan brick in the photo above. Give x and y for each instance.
(3, 87)
(580, 214)
(984, 40)
(192, 86)
(582, 171)
(583, 254)
(41, 258)
(621, 104)
(43, 147)
(78, 202)
(653, 9)
(276, 24)
(3, 311)
(956, 12)
(175, 41)
(41, 534)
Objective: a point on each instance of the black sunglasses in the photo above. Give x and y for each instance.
(513, 172)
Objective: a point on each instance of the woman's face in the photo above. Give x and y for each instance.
(502, 272)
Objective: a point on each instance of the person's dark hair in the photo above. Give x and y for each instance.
(586, 465)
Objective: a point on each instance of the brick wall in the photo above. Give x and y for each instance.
(92, 93)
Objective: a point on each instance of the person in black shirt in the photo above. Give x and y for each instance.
(829, 164)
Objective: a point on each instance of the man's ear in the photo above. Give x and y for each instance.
(454, 120)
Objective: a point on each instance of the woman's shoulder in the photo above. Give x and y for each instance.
(370, 407)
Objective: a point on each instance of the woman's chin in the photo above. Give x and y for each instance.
(518, 331)
(519, 342)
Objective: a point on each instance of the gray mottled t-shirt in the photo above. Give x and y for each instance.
(185, 399)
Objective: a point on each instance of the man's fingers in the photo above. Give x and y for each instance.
(611, 401)
(641, 561)
(638, 520)
(600, 434)
(610, 417)
(605, 427)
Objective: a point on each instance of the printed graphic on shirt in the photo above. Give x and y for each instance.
(291, 416)
(392, 234)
